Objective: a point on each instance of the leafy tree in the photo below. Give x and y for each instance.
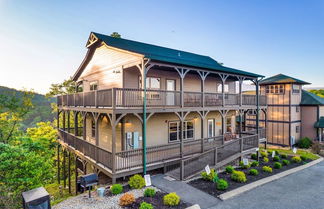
(22, 169)
(66, 87)
(43, 130)
(13, 110)
(319, 92)
(115, 35)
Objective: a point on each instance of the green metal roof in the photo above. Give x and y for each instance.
(168, 55)
(309, 98)
(281, 78)
(319, 123)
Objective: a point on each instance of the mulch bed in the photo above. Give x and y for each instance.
(210, 187)
(157, 202)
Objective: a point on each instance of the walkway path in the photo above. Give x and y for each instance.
(186, 192)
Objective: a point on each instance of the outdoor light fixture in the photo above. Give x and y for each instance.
(88, 181)
(36, 198)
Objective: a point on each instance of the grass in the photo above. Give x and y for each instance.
(58, 196)
(300, 152)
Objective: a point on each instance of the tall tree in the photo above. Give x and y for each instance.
(13, 110)
(115, 35)
(66, 87)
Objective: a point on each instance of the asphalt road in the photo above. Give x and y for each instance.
(301, 190)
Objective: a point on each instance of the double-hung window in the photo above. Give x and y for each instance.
(93, 128)
(175, 130)
(93, 85)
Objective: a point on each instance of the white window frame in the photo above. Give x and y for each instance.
(212, 122)
(92, 84)
(185, 137)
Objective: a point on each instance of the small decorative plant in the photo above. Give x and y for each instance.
(304, 158)
(276, 158)
(116, 189)
(285, 162)
(255, 164)
(229, 169)
(221, 184)
(305, 143)
(254, 156)
(277, 152)
(209, 177)
(238, 176)
(126, 199)
(244, 166)
(145, 205)
(264, 154)
(277, 165)
(267, 169)
(284, 156)
(254, 172)
(296, 159)
(171, 199)
(136, 182)
(265, 159)
(149, 192)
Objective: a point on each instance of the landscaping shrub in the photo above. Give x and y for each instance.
(276, 152)
(264, 154)
(255, 164)
(126, 199)
(145, 205)
(171, 199)
(238, 176)
(285, 162)
(296, 159)
(116, 189)
(304, 143)
(221, 184)
(209, 177)
(267, 169)
(244, 166)
(254, 172)
(284, 156)
(304, 158)
(136, 182)
(229, 169)
(149, 192)
(277, 165)
(265, 159)
(316, 147)
(276, 158)
(254, 156)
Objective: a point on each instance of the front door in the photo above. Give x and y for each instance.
(170, 86)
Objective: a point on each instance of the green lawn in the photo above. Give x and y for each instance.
(56, 196)
(300, 152)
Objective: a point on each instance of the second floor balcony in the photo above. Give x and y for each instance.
(133, 98)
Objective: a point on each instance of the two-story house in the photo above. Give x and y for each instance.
(141, 107)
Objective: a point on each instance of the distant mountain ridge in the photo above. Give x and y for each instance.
(42, 110)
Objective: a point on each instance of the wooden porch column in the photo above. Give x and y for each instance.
(69, 172)
(84, 129)
(181, 149)
(68, 122)
(64, 169)
(202, 133)
(182, 73)
(76, 123)
(203, 76)
(240, 79)
(97, 116)
(258, 105)
(240, 124)
(223, 78)
(223, 128)
(113, 146)
(58, 165)
(76, 175)
(64, 120)
(58, 119)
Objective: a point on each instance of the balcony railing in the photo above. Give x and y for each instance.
(131, 159)
(124, 97)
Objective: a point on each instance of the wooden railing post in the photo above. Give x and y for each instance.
(114, 98)
(182, 170)
(241, 144)
(215, 156)
(96, 98)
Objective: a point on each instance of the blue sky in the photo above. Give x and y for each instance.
(43, 42)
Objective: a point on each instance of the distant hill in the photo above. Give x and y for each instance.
(318, 92)
(42, 110)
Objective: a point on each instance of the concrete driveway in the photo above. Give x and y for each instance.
(301, 190)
